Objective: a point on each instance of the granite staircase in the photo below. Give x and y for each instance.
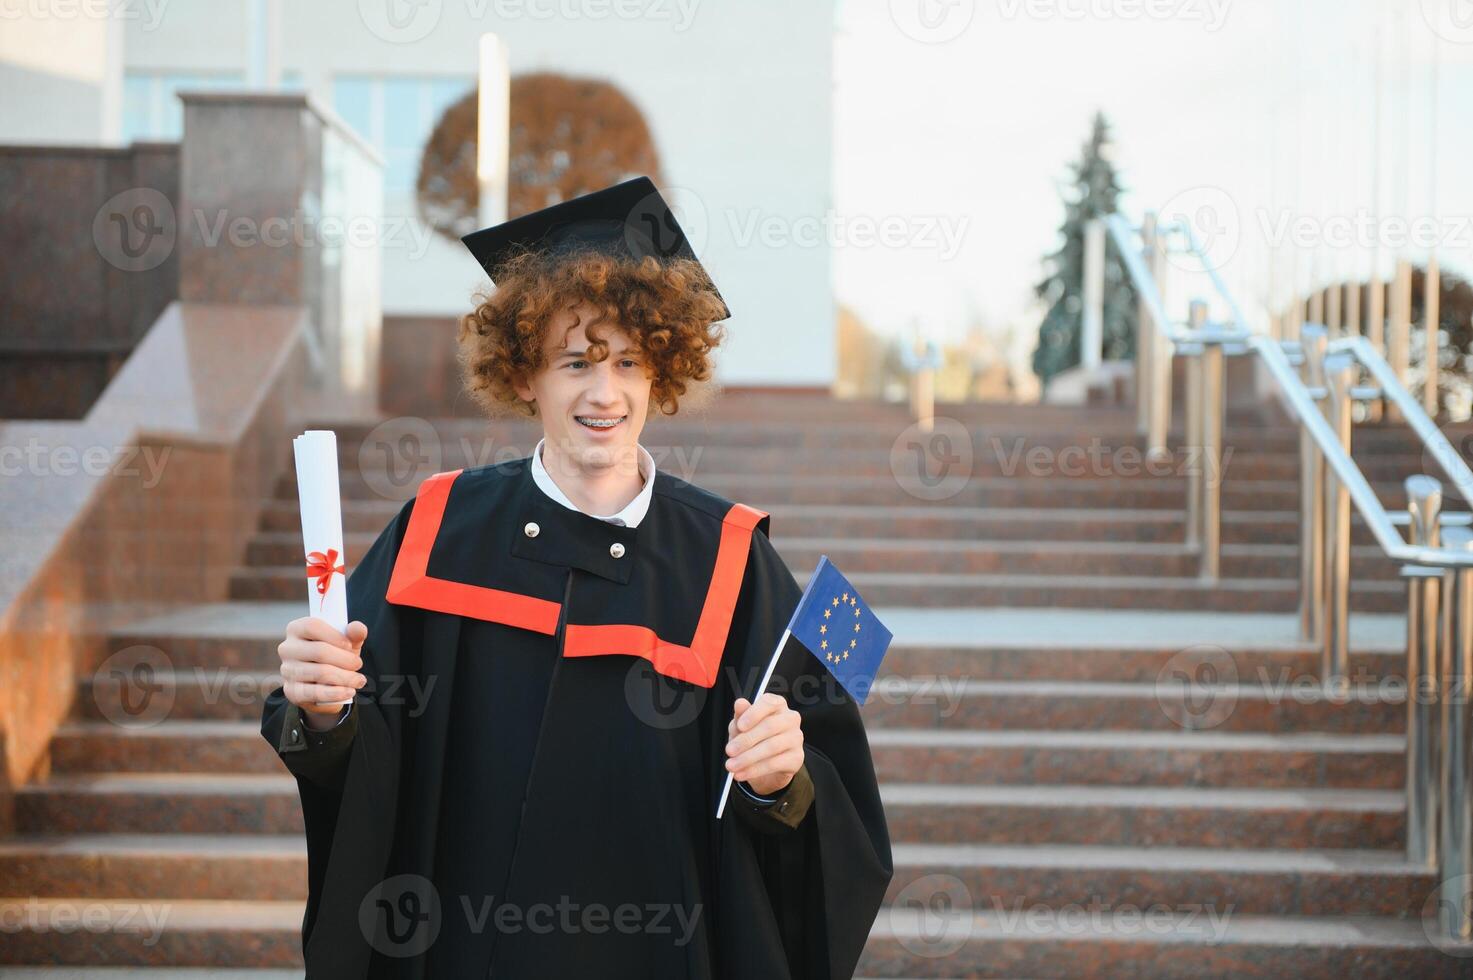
(1060, 804)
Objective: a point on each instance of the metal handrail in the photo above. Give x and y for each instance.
(1449, 460)
(1372, 511)
(1302, 400)
(1437, 567)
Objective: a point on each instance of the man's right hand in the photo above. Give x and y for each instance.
(320, 666)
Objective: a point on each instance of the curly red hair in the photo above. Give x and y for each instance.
(668, 308)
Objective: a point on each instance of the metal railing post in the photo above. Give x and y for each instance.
(1312, 499)
(1398, 337)
(1196, 319)
(1424, 628)
(1092, 328)
(1145, 338)
(1376, 331)
(1210, 461)
(1431, 312)
(1455, 851)
(1340, 371)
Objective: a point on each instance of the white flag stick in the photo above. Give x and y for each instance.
(761, 689)
(316, 454)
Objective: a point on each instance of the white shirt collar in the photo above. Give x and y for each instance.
(630, 516)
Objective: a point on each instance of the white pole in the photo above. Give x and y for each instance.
(1093, 328)
(493, 130)
(761, 689)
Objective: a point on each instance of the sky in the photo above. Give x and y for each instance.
(955, 122)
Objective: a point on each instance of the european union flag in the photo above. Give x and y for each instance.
(840, 629)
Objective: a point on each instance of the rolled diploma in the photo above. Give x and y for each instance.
(316, 452)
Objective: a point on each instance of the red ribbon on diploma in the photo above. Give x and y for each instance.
(321, 567)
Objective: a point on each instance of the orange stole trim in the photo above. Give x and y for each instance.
(699, 662)
(410, 584)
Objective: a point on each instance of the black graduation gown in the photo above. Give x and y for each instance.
(527, 784)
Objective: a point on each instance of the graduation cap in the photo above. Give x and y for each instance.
(626, 220)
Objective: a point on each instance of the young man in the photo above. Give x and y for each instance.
(548, 667)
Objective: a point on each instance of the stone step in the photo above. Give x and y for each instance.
(1117, 592)
(221, 694)
(369, 517)
(155, 803)
(1124, 758)
(982, 589)
(999, 660)
(152, 933)
(769, 490)
(912, 941)
(1004, 877)
(169, 746)
(950, 704)
(919, 755)
(1119, 942)
(1276, 704)
(1006, 454)
(1144, 816)
(1017, 458)
(164, 866)
(829, 428)
(977, 644)
(245, 867)
(856, 554)
(129, 973)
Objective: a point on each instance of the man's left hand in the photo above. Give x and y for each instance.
(765, 744)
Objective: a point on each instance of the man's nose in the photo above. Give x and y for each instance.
(601, 386)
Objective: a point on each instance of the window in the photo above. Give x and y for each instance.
(151, 108)
(396, 115)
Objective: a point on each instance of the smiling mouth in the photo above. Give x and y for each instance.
(599, 424)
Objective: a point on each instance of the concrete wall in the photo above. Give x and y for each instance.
(61, 71)
(738, 97)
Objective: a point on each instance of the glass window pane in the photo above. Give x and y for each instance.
(138, 107)
(352, 98)
(404, 125)
(445, 92)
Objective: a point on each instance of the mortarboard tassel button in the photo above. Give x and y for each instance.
(531, 529)
(616, 549)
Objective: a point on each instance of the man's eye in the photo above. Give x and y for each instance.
(576, 363)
